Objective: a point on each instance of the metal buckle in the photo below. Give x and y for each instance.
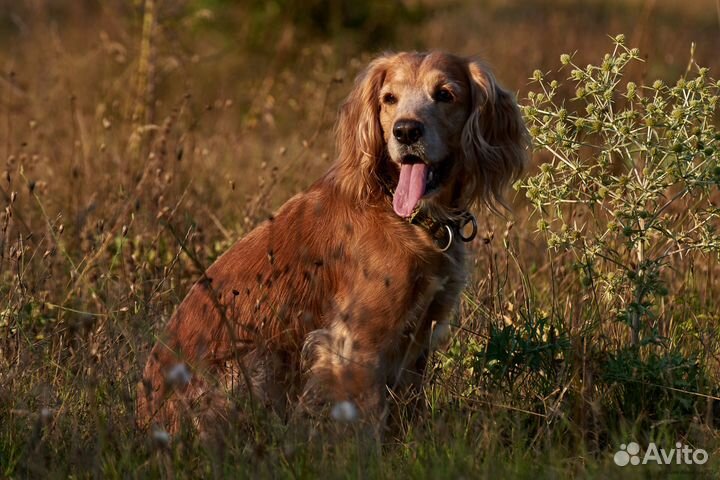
(450, 238)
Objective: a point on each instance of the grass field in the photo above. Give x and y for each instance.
(132, 133)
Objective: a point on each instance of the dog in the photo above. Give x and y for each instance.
(345, 291)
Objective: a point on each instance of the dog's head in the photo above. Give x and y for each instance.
(437, 126)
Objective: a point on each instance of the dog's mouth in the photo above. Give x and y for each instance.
(418, 179)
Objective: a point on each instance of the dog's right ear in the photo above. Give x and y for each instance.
(359, 137)
(495, 140)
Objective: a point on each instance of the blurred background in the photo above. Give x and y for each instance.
(274, 72)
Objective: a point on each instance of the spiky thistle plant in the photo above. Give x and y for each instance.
(631, 178)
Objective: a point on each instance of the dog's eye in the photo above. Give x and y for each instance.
(389, 99)
(444, 95)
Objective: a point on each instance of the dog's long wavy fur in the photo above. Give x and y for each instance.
(335, 297)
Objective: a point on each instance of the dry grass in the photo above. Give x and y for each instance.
(119, 147)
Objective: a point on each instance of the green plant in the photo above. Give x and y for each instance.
(658, 386)
(531, 352)
(628, 187)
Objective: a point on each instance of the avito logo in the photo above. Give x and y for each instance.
(680, 455)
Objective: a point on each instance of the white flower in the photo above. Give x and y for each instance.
(160, 436)
(178, 375)
(46, 414)
(344, 411)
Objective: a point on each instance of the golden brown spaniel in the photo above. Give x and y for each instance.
(342, 294)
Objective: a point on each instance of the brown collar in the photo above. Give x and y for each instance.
(443, 232)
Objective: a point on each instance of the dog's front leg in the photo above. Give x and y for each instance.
(346, 372)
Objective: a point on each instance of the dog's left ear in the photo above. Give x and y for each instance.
(495, 141)
(359, 136)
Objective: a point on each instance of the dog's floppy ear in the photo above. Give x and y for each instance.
(359, 136)
(495, 141)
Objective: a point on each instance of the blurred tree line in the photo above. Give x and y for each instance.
(371, 23)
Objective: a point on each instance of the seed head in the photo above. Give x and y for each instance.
(344, 411)
(178, 375)
(160, 437)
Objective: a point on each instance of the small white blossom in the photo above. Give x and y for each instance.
(46, 414)
(344, 411)
(160, 436)
(178, 375)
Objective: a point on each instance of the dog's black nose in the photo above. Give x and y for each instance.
(408, 132)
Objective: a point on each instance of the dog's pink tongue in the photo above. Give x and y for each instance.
(410, 188)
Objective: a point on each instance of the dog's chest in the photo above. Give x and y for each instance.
(437, 293)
